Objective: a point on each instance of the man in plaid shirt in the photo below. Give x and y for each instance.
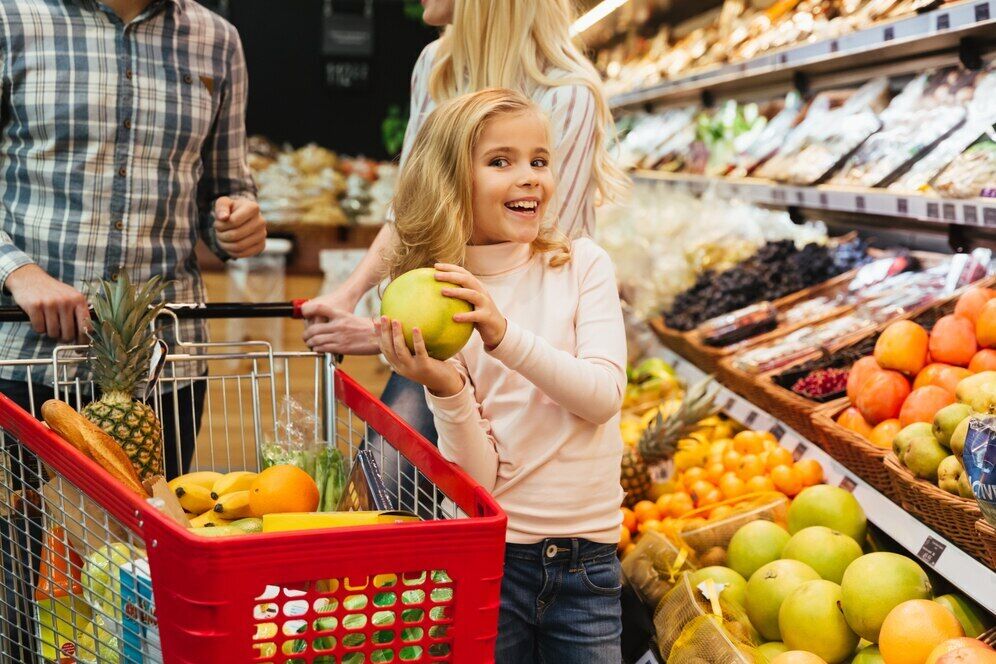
(122, 141)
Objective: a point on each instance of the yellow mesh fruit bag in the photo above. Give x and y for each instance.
(654, 566)
(707, 539)
(708, 640)
(685, 602)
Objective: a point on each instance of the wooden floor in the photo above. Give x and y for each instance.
(226, 440)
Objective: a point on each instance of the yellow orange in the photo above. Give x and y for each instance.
(731, 460)
(786, 480)
(760, 483)
(721, 512)
(749, 442)
(283, 488)
(810, 471)
(680, 505)
(645, 510)
(693, 475)
(649, 525)
(625, 538)
(732, 486)
(700, 489)
(884, 432)
(714, 471)
(750, 466)
(778, 457)
(914, 629)
(629, 519)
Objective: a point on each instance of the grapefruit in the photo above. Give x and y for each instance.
(754, 545)
(875, 584)
(797, 657)
(968, 656)
(951, 645)
(771, 649)
(735, 589)
(827, 551)
(282, 488)
(830, 506)
(415, 299)
(913, 629)
(810, 618)
(868, 655)
(768, 588)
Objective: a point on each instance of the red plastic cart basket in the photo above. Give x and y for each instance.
(425, 591)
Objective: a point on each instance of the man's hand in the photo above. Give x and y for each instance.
(333, 328)
(55, 309)
(239, 226)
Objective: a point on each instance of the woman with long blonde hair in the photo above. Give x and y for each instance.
(524, 45)
(530, 407)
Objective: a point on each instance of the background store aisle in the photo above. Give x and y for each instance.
(369, 371)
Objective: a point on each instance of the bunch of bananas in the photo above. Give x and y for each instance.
(214, 499)
(648, 384)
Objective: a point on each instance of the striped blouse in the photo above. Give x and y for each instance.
(572, 113)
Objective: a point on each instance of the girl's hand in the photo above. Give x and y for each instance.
(490, 322)
(441, 378)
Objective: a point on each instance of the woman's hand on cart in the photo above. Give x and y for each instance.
(55, 309)
(334, 328)
(439, 377)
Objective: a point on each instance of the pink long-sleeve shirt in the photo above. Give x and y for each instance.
(537, 421)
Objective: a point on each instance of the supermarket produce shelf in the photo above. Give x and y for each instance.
(964, 572)
(979, 212)
(935, 30)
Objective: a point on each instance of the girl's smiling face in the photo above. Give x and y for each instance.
(513, 183)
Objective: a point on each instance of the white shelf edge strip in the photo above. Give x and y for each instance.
(965, 16)
(964, 572)
(967, 212)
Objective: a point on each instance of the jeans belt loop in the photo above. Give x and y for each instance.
(575, 552)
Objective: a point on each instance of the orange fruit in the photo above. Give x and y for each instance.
(810, 471)
(628, 550)
(778, 457)
(713, 497)
(760, 483)
(971, 302)
(902, 346)
(860, 372)
(749, 442)
(720, 513)
(629, 519)
(693, 475)
(952, 341)
(852, 420)
(884, 432)
(732, 486)
(645, 510)
(786, 480)
(680, 505)
(923, 403)
(962, 643)
(649, 524)
(731, 460)
(283, 488)
(699, 490)
(625, 538)
(984, 360)
(750, 466)
(881, 396)
(914, 628)
(714, 471)
(662, 503)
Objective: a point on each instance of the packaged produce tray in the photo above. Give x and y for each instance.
(852, 450)
(952, 516)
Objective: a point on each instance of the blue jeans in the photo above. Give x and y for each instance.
(560, 604)
(407, 399)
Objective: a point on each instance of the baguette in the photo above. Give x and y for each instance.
(90, 439)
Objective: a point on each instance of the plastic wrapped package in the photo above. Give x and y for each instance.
(767, 141)
(651, 132)
(654, 567)
(973, 172)
(712, 639)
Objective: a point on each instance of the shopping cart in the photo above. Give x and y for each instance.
(93, 573)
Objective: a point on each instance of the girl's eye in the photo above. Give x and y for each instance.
(500, 162)
(539, 163)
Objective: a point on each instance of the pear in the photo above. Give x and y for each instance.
(904, 439)
(978, 391)
(947, 420)
(924, 456)
(965, 486)
(949, 473)
(957, 442)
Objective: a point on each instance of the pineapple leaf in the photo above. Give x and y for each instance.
(661, 438)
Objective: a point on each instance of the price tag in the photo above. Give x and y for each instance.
(859, 203)
(943, 21)
(824, 200)
(971, 214)
(800, 197)
(982, 11)
(902, 206)
(889, 34)
(989, 216)
(782, 58)
(834, 46)
(933, 210)
(949, 212)
(847, 484)
(729, 404)
(777, 430)
(799, 451)
(751, 418)
(931, 551)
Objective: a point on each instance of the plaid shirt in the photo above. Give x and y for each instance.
(115, 141)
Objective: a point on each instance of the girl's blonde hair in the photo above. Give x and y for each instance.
(510, 43)
(433, 201)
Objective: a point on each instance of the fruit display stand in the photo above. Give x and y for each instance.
(852, 450)
(952, 516)
(927, 544)
(988, 535)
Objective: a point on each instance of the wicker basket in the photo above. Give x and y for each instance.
(680, 344)
(952, 516)
(988, 535)
(855, 452)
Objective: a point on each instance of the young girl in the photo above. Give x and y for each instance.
(530, 407)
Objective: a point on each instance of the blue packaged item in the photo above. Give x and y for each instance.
(979, 456)
(139, 628)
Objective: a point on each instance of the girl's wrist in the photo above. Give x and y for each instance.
(448, 386)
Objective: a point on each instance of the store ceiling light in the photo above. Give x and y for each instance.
(595, 15)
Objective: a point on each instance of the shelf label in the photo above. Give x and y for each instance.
(859, 203)
(982, 11)
(834, 46)
(971, 214)
(783, 57)
(989, 216)
(729, 403)
(847, 484)
(889, 34)
(800, 197)
(777, 430)
(931, 551)
(824, 200)
(799, 451)
(943, 21)
(751, 418)
(902, 206)
(933, 210)
(949, 212)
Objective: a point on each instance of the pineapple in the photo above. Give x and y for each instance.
(661, 439)
(121, 346)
